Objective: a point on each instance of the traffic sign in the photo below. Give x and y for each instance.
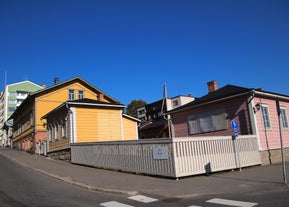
(235, 127)
(234, 124)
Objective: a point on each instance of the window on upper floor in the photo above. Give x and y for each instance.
(283, 116)
(12, 93)
(12, 102)
(175, 103)
(11, 109)
(80, 94)
(71, 95)
(265, 116)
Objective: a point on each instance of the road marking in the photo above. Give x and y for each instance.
(143, 199)
(114, 204)
(231, 202)
(194, 206)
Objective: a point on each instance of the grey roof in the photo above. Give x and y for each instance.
(84, 102)
(224, 92)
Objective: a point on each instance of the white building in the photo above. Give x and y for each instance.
(13, 95)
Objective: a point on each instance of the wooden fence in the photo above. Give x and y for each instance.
(177, 157)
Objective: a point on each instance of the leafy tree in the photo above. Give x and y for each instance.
(133, 106)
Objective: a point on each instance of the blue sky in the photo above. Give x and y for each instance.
(130, 48)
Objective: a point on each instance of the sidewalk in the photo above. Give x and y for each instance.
(237, 181)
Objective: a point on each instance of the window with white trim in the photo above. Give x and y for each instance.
(56, 130)
(71, 95)
(265, 116)
(283, 117)
(80, 94)
(50, 133)
(63, 128)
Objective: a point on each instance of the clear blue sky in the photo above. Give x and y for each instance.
(130, 48)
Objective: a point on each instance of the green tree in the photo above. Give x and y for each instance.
(133, 106)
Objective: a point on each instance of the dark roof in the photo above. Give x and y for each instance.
(224, 92)
(60, 84)
(32, 96)
(154, 124)
(84, 102)
(92, 102)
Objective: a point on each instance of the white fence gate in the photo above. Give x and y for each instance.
(177, 157)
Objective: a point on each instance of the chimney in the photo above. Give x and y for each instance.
(212, 86)
(43, 85)
(100, 97)
(56, 81)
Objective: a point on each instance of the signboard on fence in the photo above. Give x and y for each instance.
(160, 152)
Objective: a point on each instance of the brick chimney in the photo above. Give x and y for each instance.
(212, 86)
(100, 97)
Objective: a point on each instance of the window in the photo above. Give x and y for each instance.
(63, 128)
(56, 130)
(50, 133)
(207, 122)
(265, 116)
(175, 103)
(284, 120)
(71, 94)
(12, 102)
(80, 94)
(11, 109)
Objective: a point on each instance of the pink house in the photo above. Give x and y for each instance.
(255, 110)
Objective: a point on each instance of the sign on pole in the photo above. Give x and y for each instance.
(235, 127)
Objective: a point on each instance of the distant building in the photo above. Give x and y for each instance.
(153, 122)
(13, 95)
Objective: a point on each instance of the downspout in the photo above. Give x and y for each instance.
(121, 126)
(253, 120)
(70, 117)
(35, 125)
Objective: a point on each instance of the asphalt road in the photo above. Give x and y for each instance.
(23, 187)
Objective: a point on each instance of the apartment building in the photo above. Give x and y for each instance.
(12, 96)
(153, 122)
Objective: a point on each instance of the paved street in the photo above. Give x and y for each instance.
(31, 180)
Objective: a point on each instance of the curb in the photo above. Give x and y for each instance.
(71, 181)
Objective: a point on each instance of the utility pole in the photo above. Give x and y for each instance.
(281, 141)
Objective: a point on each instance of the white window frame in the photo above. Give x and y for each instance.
(56, 130)
(266, 117)
(81, 94)
(284, 119)
(63, 128)
(50, 133)
(71, 94)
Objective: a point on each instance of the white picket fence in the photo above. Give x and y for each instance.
(177, 157)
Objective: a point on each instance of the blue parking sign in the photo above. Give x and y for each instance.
(235, 127)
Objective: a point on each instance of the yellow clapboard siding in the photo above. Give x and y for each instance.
(98, 124)
(49, 101)
(129, 129)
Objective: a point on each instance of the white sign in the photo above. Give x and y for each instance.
(160, 153)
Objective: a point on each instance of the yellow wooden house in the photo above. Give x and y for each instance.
(87, 120)
(29, 129)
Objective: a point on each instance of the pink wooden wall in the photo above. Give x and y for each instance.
(270, 139)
